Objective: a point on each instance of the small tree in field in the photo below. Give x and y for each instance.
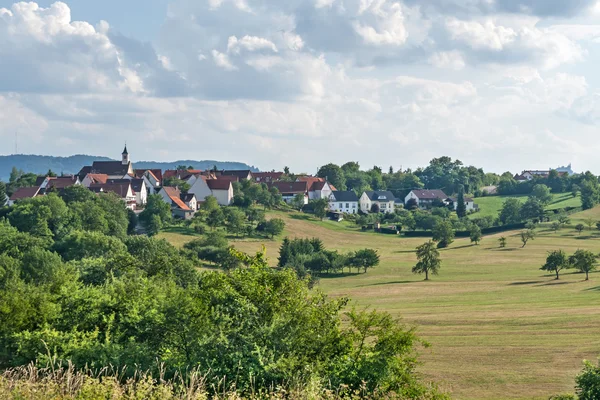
(475, 234)
(555, 226)
(364, 259)
(555, 262)
(589, 222)
(579, 228)
(298, 201)
(563, 219)
(584, 261)
(443, 233)
(274, 227)
(526, 236)
(320, 208)
(502, 242)
(428, 260)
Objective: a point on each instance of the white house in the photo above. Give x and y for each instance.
(344, 202)
(122, 189)
(190, 200)
(318, 188)
(200, 188)
(152, 181)
(172, 196)
(384, 199)
(469, 203)
(138, 186)
(425, 198)
(222, 190)
(289, 190)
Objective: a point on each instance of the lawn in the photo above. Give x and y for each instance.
(499, 327)
(491, 205)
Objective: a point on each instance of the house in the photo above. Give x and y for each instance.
(172, 196)
(469, 203)
(200, 188)
(267, 177)
(181, 174)
(343, 202)
(58, 183)
(91, 179)
(222, 190)
(114, 169)
(426, 198)
(566, 170)
(137, 185)
(531, 174)
(289, 190)
(152, 178)
(190, 200)
(240, 174)
(385, 200)
(318, 188)
(23, 193)
(123, 190)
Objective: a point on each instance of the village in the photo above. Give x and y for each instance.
(133, 186)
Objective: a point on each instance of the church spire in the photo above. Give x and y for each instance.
(125, 156)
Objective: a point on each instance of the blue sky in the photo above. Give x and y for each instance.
(502, 84)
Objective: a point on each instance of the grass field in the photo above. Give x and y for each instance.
(491, 205)
(499, 327)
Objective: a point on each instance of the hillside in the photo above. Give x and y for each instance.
(72, 164)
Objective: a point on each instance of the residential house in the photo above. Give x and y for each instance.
(152, 178)
(172, 196)
(91, 179)
(240, 174)
(289, 190)
(426, 198)
(190, 200)
(318, 188)
(137, 185)
(123, 190)
(469, 203)
(385, 200)
(23, 193)
(267, 177)
(200, 188)
(182, 174)
(566, 170)
(531, 174)
(57, 183)
(222, 190)
(344, 202)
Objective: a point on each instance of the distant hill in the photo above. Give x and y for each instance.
(72, 164)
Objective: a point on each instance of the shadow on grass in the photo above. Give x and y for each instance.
(585, 237)
(458, 247)
(593, 289)
(525, 283)
(302, 217)
(555, 283)
(404, 251)
(503, 249)
(387, 283)
(339, 275)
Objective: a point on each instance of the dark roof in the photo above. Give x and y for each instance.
(120, 189)
(218, 184)
(241, 174)
(62, 182)
(110, 168)
(39, 180)
(187, 197)
(381, 195)
(84, 171)
(424, 194)
(345, 196)
(156, 172)
(290, 187)
(136, 184)
(267, 176)
(125, 150)
(25, 193)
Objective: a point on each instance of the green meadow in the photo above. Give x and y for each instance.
(499, 328)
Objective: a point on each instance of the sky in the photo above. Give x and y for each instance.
(500, 84)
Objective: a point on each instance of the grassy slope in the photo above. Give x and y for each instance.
(491, 205)
(500, 327)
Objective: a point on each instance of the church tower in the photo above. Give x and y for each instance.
(125, 156)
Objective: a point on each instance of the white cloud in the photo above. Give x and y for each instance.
(222, 60)
(249, 43)
(448, 59)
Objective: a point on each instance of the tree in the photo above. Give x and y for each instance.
(375, 208)
(590, 194)
(461, 207)
(155, 206)
(526, 236)
(215, 218)
(412, 204)
(579, 228)
(428, 260)
(575, 190)
(555, 262)
(555, 226)
(511, 212)
(319, 207)
(542, 194)
(563, 219)
(298, 202)
(286, 170)
(589, 222)
(3, 198)
(274, 227)
(502, 242)
(588, 382)
(364, 259)
(334, 174)
(475, 234)
(443, 233)
(533, 209)
(584, 261)
(153, 225)
(236, 221)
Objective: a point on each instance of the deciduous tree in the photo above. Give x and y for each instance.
(443, 233)
(428, 260)
(584, 261)
(555, 262)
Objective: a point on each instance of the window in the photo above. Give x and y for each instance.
(341, 206)
(347, 205)
(353, 205)
(383, 206)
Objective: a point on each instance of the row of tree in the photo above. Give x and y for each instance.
(582, 260)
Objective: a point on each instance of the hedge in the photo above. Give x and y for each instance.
(465, 234)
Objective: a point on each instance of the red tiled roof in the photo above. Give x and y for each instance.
(174, 194)
(98, 178)
(290, 187)
(219, 184)
(25, 193)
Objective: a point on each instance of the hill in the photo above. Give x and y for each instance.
(72, 164)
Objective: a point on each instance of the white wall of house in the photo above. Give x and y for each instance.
(343, 206)
(201, 190)
(411, 196)
(324, 193)
(289, 198)
(384, 206)
(224, 197)
(470, 205)
(141, 197)
(365, 203)
(165, 197)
